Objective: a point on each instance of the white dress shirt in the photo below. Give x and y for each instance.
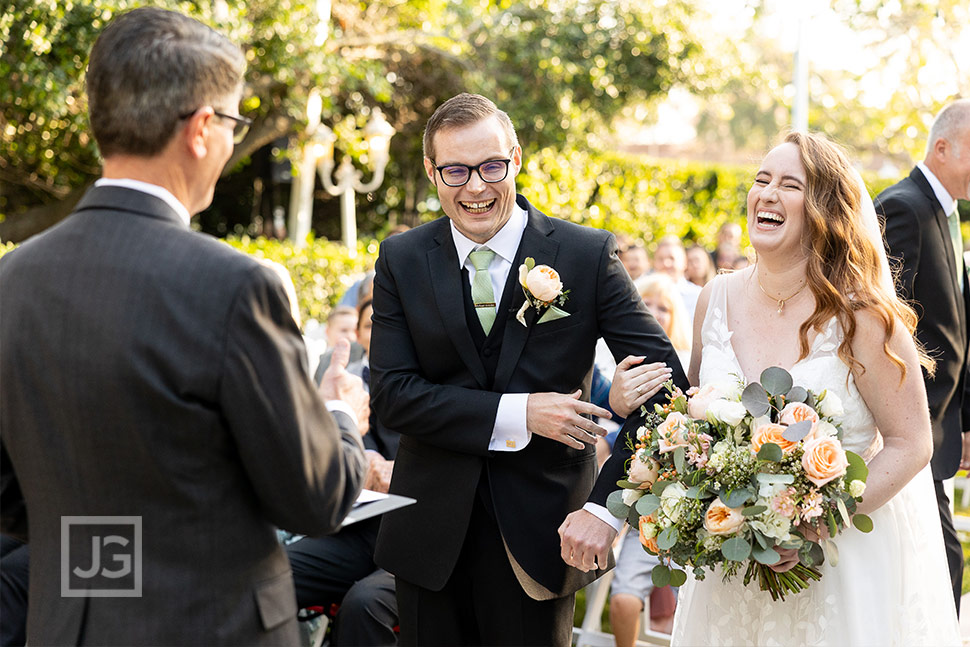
(151, 189)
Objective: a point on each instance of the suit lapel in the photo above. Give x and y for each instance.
(537, 244)
(446, 283)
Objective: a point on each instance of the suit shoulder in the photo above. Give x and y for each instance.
(903, 198)
(416, 239)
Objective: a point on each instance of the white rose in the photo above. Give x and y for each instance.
(856, 488)
(822, 429)
(670, 501)
(543, 282)
(726, 411)
(630, 496)
(523, 274)
(643, 434)
(773, 525)
(698, 403)
(830, 405)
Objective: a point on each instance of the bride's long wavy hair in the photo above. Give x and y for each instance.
(844, 269)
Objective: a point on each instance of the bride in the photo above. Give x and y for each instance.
(820, 303)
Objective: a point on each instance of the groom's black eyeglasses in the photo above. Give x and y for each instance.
(490, 171)
(240, 127)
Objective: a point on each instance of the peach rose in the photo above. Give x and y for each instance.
(644, 472)
(648, 533)
(543, 282)
(770, 432)
(824, 460)
(722, 520)
(796, 412)
(672, 432)
(701, 399)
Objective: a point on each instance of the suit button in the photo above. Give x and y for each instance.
(487, 352)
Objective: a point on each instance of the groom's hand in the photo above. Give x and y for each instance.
(557, 416)
(586, 540)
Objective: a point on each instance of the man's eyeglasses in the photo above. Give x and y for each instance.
(490, 171)
(240, 127)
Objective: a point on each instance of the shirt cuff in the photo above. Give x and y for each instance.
(604, 515)
(509, 434)
(340, 405)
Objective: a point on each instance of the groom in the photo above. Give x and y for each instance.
(923, 240)
(497, 446)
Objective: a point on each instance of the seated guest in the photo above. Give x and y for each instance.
(662, 299)
(700, 267)
(670, 258)
(633, 255)
(728, 248)
(341, 324)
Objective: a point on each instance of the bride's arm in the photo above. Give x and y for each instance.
(899, 408)
(700, 311)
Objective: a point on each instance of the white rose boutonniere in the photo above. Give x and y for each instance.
(543, 290)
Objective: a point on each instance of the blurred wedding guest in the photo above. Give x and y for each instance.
(923, 240)
(670, 258)
(728, 247)
(633, 255)
(358, 292)
(341, 324)
(700, 267)
(662, 299)
(154, 378)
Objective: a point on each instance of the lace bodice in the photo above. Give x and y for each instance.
(822, 369)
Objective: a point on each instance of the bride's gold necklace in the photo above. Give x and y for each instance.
(781, 302)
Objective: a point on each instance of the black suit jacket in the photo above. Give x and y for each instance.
(151, 371)
(919, 247)
(429, 382)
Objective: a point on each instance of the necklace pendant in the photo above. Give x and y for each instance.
(781, 306)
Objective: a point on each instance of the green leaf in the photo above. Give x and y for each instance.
(831, 552)
(614, 503)
(840, 504)
(750, 511)
(633, 518)
(647, 504)
(862, 522)
(677, 577)
(830, 519)
(755, 400)
(766, 556)
(660, 576)
(629, 485)
(529, 262)
(770, 452)
(797, 394)
(659, 487)
(667, 538)
(811, 554)
(776, 380)
(679, 461)
(697, 492)
(797, 431)
(857, 470)
(735, 549)
(736, 498)
(760, 538)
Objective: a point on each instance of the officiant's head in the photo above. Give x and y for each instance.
(472, 155)
(948, 149)
(163, 99)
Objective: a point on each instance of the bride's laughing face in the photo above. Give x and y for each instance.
(776, 200)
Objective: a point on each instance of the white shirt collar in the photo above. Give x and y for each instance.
(942, 195)
(504, 243)
(152, 189)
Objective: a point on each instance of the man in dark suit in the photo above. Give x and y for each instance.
(153, 377)
(496, 443)
(924, 243)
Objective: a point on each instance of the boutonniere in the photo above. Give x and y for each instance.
(543, 290)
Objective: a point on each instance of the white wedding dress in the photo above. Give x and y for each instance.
(890, 587)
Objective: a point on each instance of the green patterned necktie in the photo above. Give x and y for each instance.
(482, 293)
(957, 241)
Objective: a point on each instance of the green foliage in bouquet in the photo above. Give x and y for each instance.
(729, 476)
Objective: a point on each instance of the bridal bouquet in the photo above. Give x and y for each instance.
(726, 474)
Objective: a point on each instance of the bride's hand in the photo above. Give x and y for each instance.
(635, 383)
(789, 558)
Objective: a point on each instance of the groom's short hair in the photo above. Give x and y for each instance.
(950, 123)
(464, 110)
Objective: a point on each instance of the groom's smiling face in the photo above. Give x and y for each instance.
(479, 209)
(776, 201)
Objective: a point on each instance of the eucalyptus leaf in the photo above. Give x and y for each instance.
(659, 487)
(647, 504)
(857, 470)
(779, 402)
(770, 452)
(633, 518)
(811, 554)
(862, 522)
(761, 539)
(660, 576)
(755, 400)
(840, 504)
(677, 577)
(530, 262)
(776, 380)
(752, 510)
(766, 556)
(667, 538)
(736, 498)
(736, 549)
(629, 485)
(786, 479)
(831, 552)
(679, 462)
(797, 394)
(697, 492)
(830, 519)
(794, 433)
(614, 503)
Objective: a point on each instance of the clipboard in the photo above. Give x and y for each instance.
(370, 504)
